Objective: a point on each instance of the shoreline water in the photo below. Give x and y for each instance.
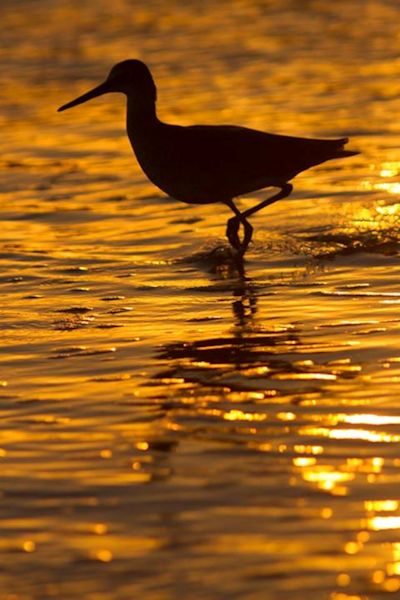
(171, 429)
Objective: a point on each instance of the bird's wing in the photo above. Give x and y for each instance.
(205, 163)
(252, 158)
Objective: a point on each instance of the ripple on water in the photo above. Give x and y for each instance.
(177, 424)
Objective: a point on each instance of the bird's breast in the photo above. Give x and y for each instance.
(174, 168)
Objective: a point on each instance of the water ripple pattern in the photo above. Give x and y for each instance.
(169, 429)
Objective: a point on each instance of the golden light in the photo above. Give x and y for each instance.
(362, 434)
(381, 505)
(378, 577)
(326, 478)
(369, 419)
(106, 453)
(363, 536)
(304, 461)
(191, 408)
(343, 580)
(142, 446)
(393, 568)
(387, 170)
(382, 523)
(389, 209)
(238, 415)
(396, 550)
(343, 596)
(386, 173)
(104, 556)
(352, 547)
(100, 528)
(29, 546)
(391, 188)
(305, 376)
(306, 449)
(286, 416)
(351, 434)
(390, 169)
(391, 585)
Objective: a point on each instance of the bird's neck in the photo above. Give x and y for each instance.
(141, 116)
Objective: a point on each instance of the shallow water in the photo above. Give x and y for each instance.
(170, 430)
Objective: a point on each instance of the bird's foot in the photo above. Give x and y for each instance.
(232, 233)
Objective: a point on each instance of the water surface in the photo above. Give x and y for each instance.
(170, 429)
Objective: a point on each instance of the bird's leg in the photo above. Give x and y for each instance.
(234, 223)
(285, 191)
(248, 234)
(233, 229)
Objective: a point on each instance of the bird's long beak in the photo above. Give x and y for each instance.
(101, 89)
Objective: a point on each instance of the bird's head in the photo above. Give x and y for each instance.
(130, 77)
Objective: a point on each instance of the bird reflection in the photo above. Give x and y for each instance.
(231, 267)
(244, 305)
(248, 343)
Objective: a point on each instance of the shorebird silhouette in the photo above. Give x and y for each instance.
(203, 164)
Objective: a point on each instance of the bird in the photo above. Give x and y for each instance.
(205, 164)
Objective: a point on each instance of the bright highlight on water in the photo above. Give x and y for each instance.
(170, 428)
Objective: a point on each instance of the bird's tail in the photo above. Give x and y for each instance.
(340, 152)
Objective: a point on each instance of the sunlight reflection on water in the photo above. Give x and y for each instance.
(169, 429)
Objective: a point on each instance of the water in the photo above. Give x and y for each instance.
(168, 429)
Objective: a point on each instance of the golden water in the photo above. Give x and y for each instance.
(169, 431)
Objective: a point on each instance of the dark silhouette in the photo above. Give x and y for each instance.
(203, 164)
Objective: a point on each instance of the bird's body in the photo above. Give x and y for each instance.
(203, 164)
(206, 163)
